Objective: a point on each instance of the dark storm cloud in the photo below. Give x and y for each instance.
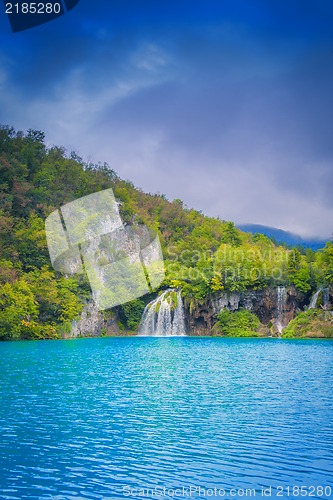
(224, 104)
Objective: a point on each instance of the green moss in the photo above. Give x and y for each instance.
(121, 326)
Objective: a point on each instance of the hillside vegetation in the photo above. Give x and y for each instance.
(313, 323)
(203, 255)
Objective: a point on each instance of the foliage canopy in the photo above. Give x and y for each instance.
(203, 255)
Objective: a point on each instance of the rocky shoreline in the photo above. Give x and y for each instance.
(201, 315)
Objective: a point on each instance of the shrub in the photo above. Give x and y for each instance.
(311, 323)
(240, 323)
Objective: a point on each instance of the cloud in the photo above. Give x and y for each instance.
(230, 112)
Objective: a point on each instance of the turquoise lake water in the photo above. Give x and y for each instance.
(104, 418)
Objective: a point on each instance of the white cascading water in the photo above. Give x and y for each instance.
(281, 301)
(178, 323)
(326, 297)
(161, 319)
(314, 299)
(315, 296)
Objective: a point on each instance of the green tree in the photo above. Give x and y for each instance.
(18, 310)
(131, 312)
(325, 259)
(299, 271)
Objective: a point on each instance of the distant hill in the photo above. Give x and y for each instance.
(281, 236)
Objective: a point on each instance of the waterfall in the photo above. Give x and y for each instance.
(315, 296)
(281, 301)
(164, 316)
(314, 299)
(326, 297)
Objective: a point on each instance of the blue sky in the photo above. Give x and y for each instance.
(225, 104)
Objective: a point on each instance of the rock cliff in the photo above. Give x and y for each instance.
(93, 323)
(274, 307)
(266, 304)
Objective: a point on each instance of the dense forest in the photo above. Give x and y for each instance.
(203, 255)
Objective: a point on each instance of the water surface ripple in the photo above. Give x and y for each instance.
(85, 419)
